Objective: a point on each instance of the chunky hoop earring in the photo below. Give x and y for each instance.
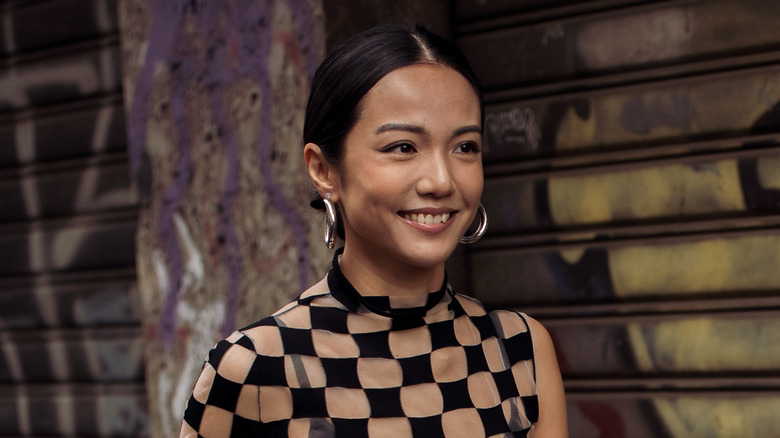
(483, 222)
(330, 222)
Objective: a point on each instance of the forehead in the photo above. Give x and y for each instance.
(422, 89)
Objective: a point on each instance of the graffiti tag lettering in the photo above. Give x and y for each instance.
(514, 127)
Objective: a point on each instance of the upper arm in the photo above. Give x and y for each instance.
(552, 403)
(222, 403)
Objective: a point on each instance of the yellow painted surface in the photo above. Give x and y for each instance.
(712, 345)
(666, 191)
(690, 417)
(575, 131)
(716, 265)
(572, 255)
(769, 172)
(707, 345)
(640, 348)
(635, 38)
(714, 104)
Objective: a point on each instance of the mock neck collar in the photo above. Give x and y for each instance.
(381, 304)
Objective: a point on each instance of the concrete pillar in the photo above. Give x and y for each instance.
(215, 96)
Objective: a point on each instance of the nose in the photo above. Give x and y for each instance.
(435, 177)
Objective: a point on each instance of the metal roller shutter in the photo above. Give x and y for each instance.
(71, 359)
(633, 186)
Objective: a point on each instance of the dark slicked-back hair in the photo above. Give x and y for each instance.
(355, 67)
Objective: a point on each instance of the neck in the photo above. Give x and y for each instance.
(381, 276)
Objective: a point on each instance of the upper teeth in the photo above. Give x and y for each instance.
(427, 218)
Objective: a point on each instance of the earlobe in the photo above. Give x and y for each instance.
(321, 172)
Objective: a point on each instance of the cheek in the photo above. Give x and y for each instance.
(372, 182)
(364, 189)
(471, 183)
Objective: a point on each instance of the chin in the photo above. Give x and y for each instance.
(430, 258)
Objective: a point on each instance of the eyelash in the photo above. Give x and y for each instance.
(398, 146)
(474, 148)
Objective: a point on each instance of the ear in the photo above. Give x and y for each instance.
(324, 175)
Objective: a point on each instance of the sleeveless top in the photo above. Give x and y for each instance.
(334, 363)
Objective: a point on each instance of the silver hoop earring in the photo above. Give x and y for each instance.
(483, 222)
(330, 222)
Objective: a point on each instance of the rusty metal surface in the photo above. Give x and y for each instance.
(717, 105)
(633, 186)
(71, 351)
(629, 38)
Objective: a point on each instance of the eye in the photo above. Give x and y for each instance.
(403, 148)
(468, 147)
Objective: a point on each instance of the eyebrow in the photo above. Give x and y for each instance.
(401, 127)
(420, 130)
(467, 129)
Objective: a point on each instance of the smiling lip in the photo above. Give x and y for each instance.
(429, 219)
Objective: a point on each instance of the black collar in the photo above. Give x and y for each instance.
(342, 290)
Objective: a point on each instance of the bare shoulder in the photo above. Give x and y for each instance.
(543, 343)
(552, 401)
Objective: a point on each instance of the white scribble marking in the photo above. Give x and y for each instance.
(12, 357)
(102, 128)
(66, 414)
(161, 273)
(8, 30)
(23, 411)
(204, 324)
(516, 126)
(552, 32)
(193, 270)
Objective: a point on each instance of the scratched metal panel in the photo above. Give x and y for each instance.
(632, 415)
(71, 362)
(91, 304)
(633, 189)
(46, 24)
(685, 266)
(69, 413)
(661, 33)
(689, 345)
(69, 248)
(83, 74)
(7, 150)
(5, 40)
(93, 129)
(45, 357)
(77, 192)
(670, 190)
(713, 105)
(479, 9)
(669, 415)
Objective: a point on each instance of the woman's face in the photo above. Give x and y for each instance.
(410, 178)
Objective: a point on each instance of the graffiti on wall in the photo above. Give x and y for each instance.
(71, 355)
(648, 202)
(215, 97)
(665, 191)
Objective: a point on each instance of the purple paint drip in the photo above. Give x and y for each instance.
(257, 56)
(249, 18)
(158, 48)
(304, 20)
(216, 73)
(170, 205)
(291, 216)
(166, 16)
(302, 16)
(231, 254)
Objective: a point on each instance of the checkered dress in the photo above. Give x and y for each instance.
(335, 364)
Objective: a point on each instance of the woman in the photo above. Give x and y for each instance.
(393, 138)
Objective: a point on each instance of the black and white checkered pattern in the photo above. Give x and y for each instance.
(325, 365)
